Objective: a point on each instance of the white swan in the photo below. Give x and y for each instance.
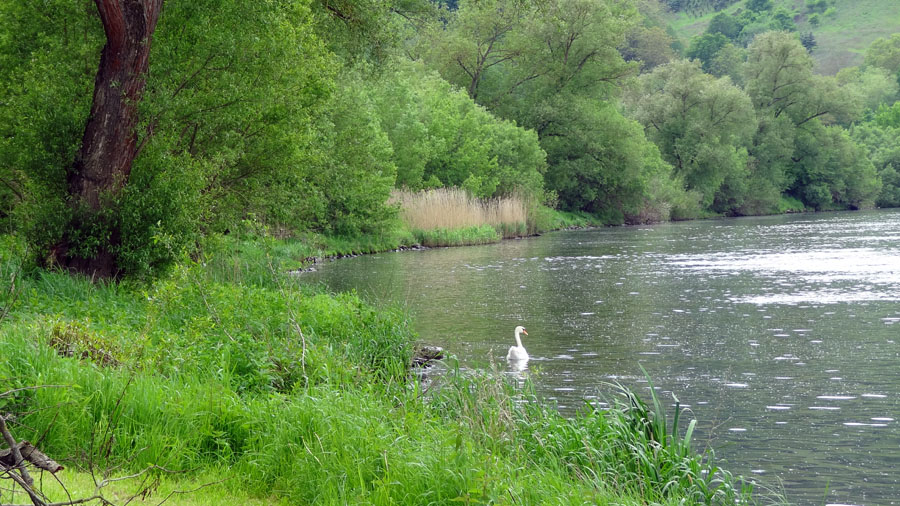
(518, 352)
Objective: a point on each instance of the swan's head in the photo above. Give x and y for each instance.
(521, 330)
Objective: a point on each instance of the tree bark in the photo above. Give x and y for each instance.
(108, 148)
(31, 454)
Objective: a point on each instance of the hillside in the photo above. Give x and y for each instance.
(842, 37)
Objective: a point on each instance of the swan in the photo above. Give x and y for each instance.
(518, 352)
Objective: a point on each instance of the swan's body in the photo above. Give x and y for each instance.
(518, 352)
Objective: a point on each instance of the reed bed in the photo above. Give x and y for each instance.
(452, 208)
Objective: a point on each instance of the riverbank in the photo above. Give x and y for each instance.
(296, 253)
(420, 228)
(226, 368)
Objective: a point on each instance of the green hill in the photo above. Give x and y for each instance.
(842, 35)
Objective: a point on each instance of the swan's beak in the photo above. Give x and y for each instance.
(525, 332)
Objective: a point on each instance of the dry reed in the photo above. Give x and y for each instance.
(451, 208)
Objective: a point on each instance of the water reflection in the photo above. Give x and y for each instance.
(517, 365)
(780, 332)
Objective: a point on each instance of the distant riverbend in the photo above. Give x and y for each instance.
(781, 333)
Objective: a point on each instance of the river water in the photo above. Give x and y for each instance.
(781, 334)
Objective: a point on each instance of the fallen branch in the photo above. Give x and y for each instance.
(23, 478)
(31, 454)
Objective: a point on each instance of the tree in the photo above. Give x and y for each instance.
(368, 30)
(888, 116)
(440, 136)
(702, 125)
(882, 145)
(651, 46)
(729, 61)
(481, 36)
(783, 19)
(726, 24)
(832, 170)
(224, 126)
(808, 40)
(562, 64)
(871, 87)
(759, 5)
(109, 145)
(705, 47)
(822, 168)
(780, 81)
(602, 163)
(778, 73)
(884, 52)
(816, 5)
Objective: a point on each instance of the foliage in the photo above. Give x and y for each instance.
(544, 65)
(698, 7)
(825, 166)
(440, 136)
(884, 52)
(725, 24)
(816, 5)
(871, 88)
(702, 125)
(365, 30)
(705, 47)
(604, 164)
(45, 99)
(833, 170)
(222, 115)
(651, 46)
(783, 19)
(240, 117)
(302, 116)
(888, 116)
(882, 144)
(729, 61)
(808, 40)
(759, 5)
(346, 190)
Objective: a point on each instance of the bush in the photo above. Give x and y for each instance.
(441, 137)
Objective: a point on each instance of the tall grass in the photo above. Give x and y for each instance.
(452, 208)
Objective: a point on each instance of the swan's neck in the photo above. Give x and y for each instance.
(518, 340)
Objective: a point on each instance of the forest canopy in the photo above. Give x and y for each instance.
(304, 115)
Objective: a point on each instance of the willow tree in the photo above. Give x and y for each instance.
(701, 124)
(109, 145)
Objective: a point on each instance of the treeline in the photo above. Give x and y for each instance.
(304, 115)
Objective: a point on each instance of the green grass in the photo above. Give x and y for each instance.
(789, 204)
(230, 371)
(466, 236)
(842, 39)
(564, 219)
(198, 489)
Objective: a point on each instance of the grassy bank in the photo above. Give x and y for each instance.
(437, 218)
(228, 370)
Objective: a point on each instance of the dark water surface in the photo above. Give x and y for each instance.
(781, 333)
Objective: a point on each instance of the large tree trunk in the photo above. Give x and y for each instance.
(109, 145)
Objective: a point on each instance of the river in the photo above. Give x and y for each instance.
(781, 334)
